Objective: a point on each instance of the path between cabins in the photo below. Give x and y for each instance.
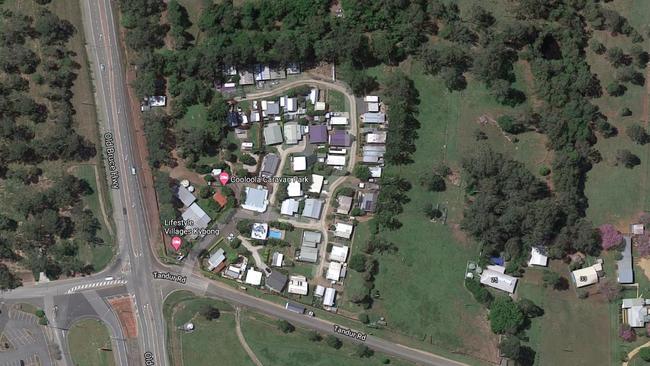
(242, 340)
(255, 251)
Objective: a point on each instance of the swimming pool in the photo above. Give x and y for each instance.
(275, 234)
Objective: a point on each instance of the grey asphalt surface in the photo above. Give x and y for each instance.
(135, 258)
(25, 336)
(132, 228)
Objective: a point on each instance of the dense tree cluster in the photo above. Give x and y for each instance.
(402, 98)
(511, 210)
(46, 227)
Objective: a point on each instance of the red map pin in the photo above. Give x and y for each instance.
(176, 242)
(224, 177)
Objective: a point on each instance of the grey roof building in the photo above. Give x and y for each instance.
(184, 196)
(276, 281)
(373, 153)
(292, 132)
(311, 238)
(216, 259)
(270, 165)
(272, 108)
(309, 247)
(295, 308)
(624, 266)
(368, 201)
(273, 134)
(256, 199)
(313, 208)
(370, 117)
(308, 254)
(198, 218)
(345, 204)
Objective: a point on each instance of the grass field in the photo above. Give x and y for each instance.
(421, 287)
(90, 344)
(100, 255)
(337, 101)
(571, 331)
(195, 348)
(275, 348)
(616, 194)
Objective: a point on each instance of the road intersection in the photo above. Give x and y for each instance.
(136, 259)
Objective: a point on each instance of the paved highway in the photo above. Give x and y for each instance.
(135, 258)
(128, 204)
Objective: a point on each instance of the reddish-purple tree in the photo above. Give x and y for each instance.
(627, 333)
(610, 289)
(610, 236)
(643, 245)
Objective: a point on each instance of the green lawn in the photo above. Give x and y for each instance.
(572, 331)
(197, 347)
(337, 101)
(421, 287)
(274, 348)
(617, 194)
(194, 117)
(98, 255)
(90, 344)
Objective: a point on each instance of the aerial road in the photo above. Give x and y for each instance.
(133, 231)
(136, 257)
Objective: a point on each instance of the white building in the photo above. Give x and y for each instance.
(343, 230)
(253, 277)
(260, 231)
(585, 276)
(329, 297)
(294, 189)
(299, 163)
(339, 253)
(335, 160)
(494, 276)
(538, 257)
(256, 199)
(316, 183)
(289, 207)
(371, 99)
(277, 259)
(319, 291)
(635, 312)
(339, 121)
(298, 285)
(334, 271)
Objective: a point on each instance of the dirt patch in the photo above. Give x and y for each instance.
(484, 348)
(530, 84)
(644, 264)
(459, 235)
(322, 71)
(180, 172)
(123, 307)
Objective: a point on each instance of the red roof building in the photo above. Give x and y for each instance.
(220, 199)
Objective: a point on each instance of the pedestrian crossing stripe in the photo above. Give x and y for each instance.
(93, 285)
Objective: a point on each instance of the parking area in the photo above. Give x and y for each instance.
(23, 340)
(32, 360)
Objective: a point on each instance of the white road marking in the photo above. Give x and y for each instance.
(96, 285)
